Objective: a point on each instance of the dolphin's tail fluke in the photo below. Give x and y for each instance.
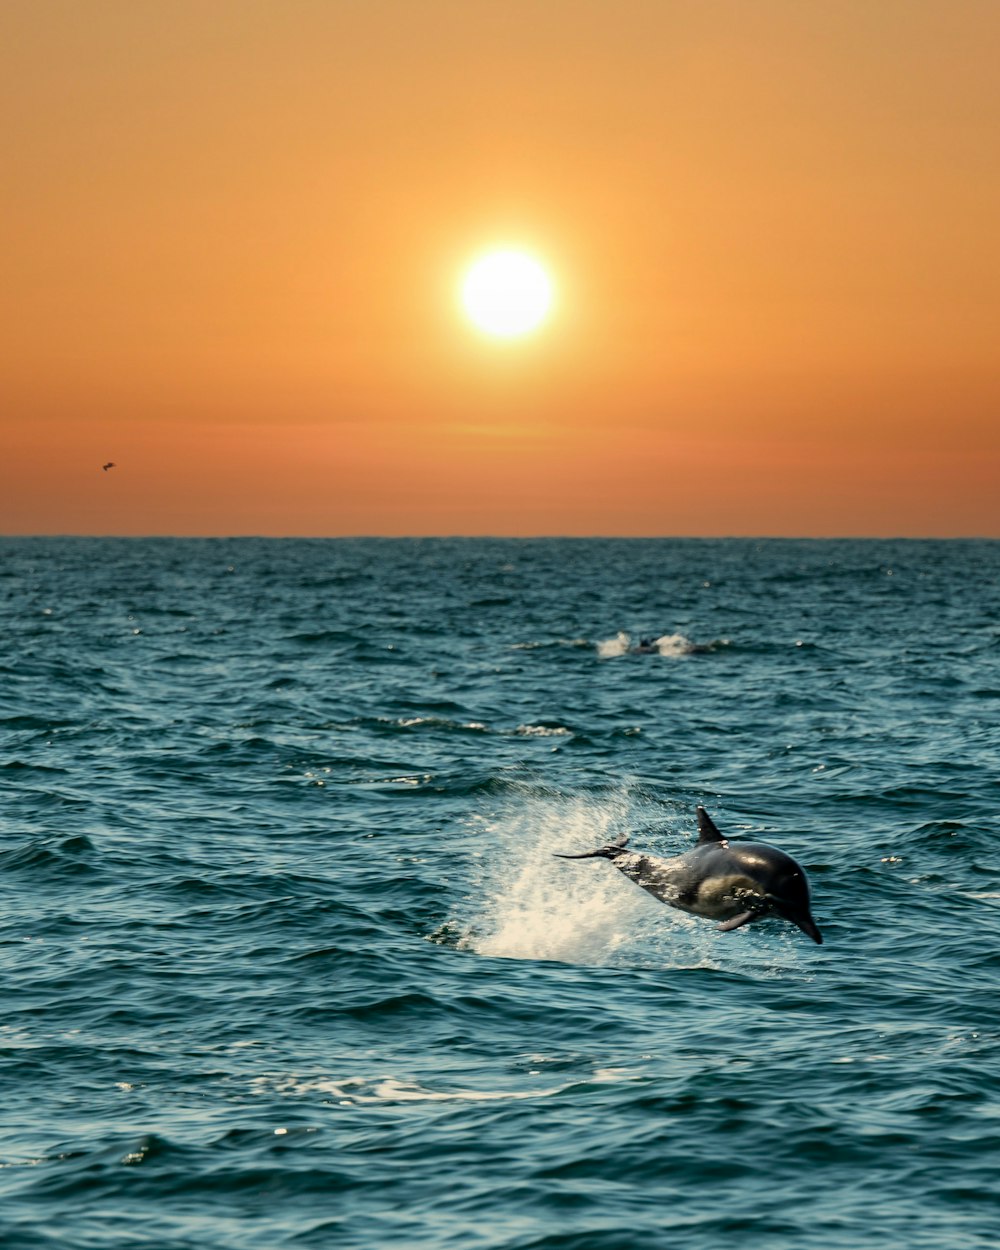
(603, 852)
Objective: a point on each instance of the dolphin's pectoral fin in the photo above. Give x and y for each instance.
(739, 921)
(707, 831)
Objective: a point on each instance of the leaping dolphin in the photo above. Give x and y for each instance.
(735, 882)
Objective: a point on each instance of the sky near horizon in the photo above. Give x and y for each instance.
(235, 230)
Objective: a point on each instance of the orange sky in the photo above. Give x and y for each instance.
(233, 231)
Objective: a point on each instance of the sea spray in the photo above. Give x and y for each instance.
(528, 904)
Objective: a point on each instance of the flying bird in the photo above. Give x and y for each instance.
(109, 465)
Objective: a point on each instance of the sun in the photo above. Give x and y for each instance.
(506, 293)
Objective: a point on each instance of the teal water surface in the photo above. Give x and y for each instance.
(288, 960)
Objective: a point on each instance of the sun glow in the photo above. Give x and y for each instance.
(506, 293)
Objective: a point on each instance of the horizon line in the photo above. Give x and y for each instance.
(445, 537)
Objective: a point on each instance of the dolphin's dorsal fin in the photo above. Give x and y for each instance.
(707, 831)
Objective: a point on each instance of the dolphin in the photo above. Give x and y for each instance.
(735, 882)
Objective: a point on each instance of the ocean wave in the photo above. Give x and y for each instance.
(52, 858)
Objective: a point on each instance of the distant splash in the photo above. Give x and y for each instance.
(671, 645)
(619, 645)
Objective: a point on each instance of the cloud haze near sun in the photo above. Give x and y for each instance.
(236, 232)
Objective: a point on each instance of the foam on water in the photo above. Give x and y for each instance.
(362, 1091)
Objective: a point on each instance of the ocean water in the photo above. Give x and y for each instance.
(288, 961)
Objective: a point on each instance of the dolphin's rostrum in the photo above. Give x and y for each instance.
(735, 882)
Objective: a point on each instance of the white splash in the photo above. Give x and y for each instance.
(670, 645)
(611, 647)
(531, 905)
(674, 644)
